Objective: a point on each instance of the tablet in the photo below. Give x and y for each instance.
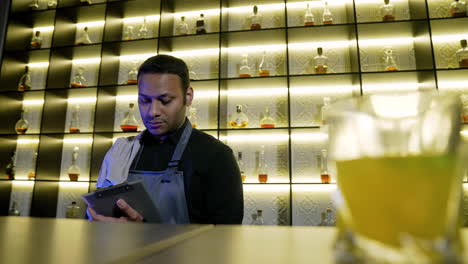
(103, 201)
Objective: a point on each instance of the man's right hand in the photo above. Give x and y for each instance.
(132, 214)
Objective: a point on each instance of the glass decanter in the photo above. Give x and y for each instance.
(52, 4)
(255, 19)
(263, 69)
(267, 121)
(129, 123)
(133, 74)
(262, 166)
(72, 210)
(36, 40)
(24, 83)
(389, 59)
(327, 17)
(75, 120)
(244, 70)
(13, 211)
(327, 218)
(86, 2)
(320, 62)
(84, 39)
(74, 171)
(324, 175)
(128, 34)
(325, 109)
(259, 218)
(22, 125)
(182, 27)
(10, 167)
(254, 218)
(457, 8)
(193, 116)
(32, 170)
(309, 19)
(192, 74)
(240, 163)
(387, 11)
(34, 4)
(201, 25)
(143, 30)
(462, 54)
(239, 119)
(78, 81)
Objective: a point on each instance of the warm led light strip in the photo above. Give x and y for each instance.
(266, 188)
(464, 133)
(255, 92)
(77, 140)
(449, 38)
(387, 41)
(188, 14)
(323, 90)
(33, 102)
(309, 137)
(44, 29)
(200, 52)
(23, 184)
(140, 19)
(247, 9)
(255, 49)
(453, 85)
(324, 44)
(143, 56)
(313, 187)
(38, 64)
(82, 100)
(91, 24)
(390, 87)
(87, 61)
(27, 141)
(74, 185)
(255, 138)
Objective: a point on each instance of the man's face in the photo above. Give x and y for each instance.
(161, 102)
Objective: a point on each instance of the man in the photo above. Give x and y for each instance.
(191, 176)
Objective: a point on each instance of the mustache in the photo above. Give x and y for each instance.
(157, 120)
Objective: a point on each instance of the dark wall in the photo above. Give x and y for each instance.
(4, 8)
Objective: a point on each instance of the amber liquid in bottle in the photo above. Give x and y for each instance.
(73, 176)
(325, 178)
(262, 178)
(321, 69)
(21, 131)
(238, 125)
(74, 130)
(31, 176)
(129, 128)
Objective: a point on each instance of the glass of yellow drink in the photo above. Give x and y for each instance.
(399, 177)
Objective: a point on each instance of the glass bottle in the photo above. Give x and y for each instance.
(86, 2)
(244, 70)
(75, 120)
(462, 54)
(128, 34)
(324, 175)
(74, 171)
(255, 19)
(325, 110)
(133, 74)
(389, 59)
(192, 74)
(32, 171)
(254, 218)
(78, 81)
(13, 211)
(262, 166)
(320, 62)
(36, 40)
(73, 211)
(201, 25)
(309, 19)
(52, 4)
(182, 27)
(143, 30)
(263, 69)
(22, 125)
(24, 83)
(387, 11)
(457, 9)
(193, 116)
(34, 4)
(10, 167)
(129, 123)
(267, 121)
(241, 166)
(327, 218)
(239, 119)
(327, 17)
(84, 39)
(259, 218)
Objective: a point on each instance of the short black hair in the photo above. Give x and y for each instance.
(167, 64)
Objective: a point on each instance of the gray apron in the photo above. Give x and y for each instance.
(166, 188)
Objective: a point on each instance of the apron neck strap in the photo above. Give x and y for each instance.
(180, 148)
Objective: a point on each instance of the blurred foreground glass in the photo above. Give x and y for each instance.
(399, 177)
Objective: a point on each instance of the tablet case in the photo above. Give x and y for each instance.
(103, 201)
